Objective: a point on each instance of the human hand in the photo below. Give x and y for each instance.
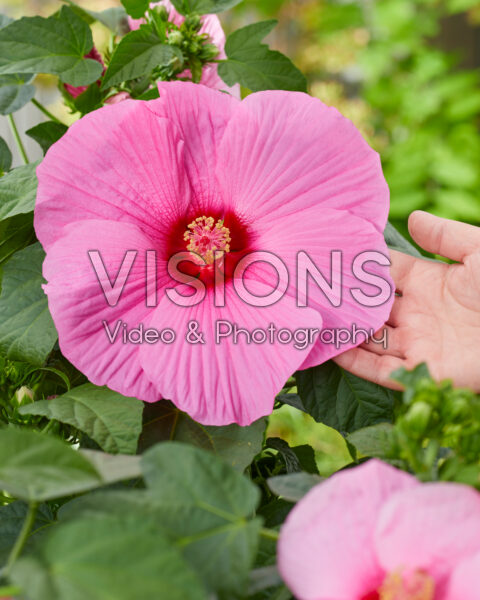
(436, 318)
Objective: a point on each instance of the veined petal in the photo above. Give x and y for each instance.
(286, 151)
(326, 546)
(230, 381)
(121, 163)
(79, 307)
(463, 583)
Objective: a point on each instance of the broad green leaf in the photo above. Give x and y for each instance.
(114, 18)
(293, 486)
(203, 7)
(109, 557)
(114, 467)
(236, 445)
(36, 467)
(5, 157)
(395, 240)
(138, 53)
(208, 508)
(110, 419)
(18, 190)
(372, 441)
(12, 517)
(15, 234)
(56, 45)
(136, 8)
(89, 100)
(341, 400)
(15, 92)
(47, 133)
(27, 332)
(255, 66)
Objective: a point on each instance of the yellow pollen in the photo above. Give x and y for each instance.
(204, 236)
(420, 586)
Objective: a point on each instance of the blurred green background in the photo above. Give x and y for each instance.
(406, 72)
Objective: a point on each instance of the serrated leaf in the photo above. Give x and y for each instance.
(5, 157)
(18, 190)
(208, 508)
(55, 45)
(203, 7)
(293, 486)
(125, 558)
(234, 444)
(15, 234)
(374, 441)
(110, 419)
(138, 53)
(341, 400)
(27, 332)
(255, 66)
(15, 92)
(46, 134)
(12, 517)
(136, 8)
(36, 467)
(115, 18)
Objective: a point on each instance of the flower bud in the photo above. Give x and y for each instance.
(161, 11)
(24, 395)
(417, 419)
(175, 38)
(209, 52)
(193, 22)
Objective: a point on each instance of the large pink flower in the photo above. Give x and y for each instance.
(197, 170)
(376, 533)
(211, 25)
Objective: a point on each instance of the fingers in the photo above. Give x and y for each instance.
(451, 239)
(385, 341)
(374, 367)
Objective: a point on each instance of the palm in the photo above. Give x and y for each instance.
(437, 317)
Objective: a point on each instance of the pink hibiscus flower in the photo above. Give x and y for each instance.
(197, 170)
(211, 25)
(76, 91)
(376, 533)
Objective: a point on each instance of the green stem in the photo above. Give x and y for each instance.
(18, 139)
(48, 426)
(22, 538)
(46, 112)
(269, 534)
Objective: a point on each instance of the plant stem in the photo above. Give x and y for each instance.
(48, 426)
(46, 112)
(18, 139)
(22, 538)
(269, 534)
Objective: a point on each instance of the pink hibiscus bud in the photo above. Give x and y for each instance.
(276, 174)
(376, 533)
(120, 97)
(76, 91)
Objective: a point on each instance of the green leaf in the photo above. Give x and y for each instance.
(114, 18)
(114, 467)
(255, 66)
(110, 419)
(54, 45)
(208, 508)
(395, 240)
(236, 445)
(12, 517)
(341, 400)
(47, 133)
(5, 157)
(4, 21)
(138, 53)
(294, 486)
(136, 8)
(27, 332)
(122, 557)
(15, 92)
(203, 7)
(15, 234)
(372, 441)
(89, 100)
(18, 190)
(36, 467)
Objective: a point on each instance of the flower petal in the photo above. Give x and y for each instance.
(201, 115)
(432, 528)
(120, 163)
(317, 231)
(463, 583)
(326, 546)
(225, 382)
(285, 151)
(79, 307)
